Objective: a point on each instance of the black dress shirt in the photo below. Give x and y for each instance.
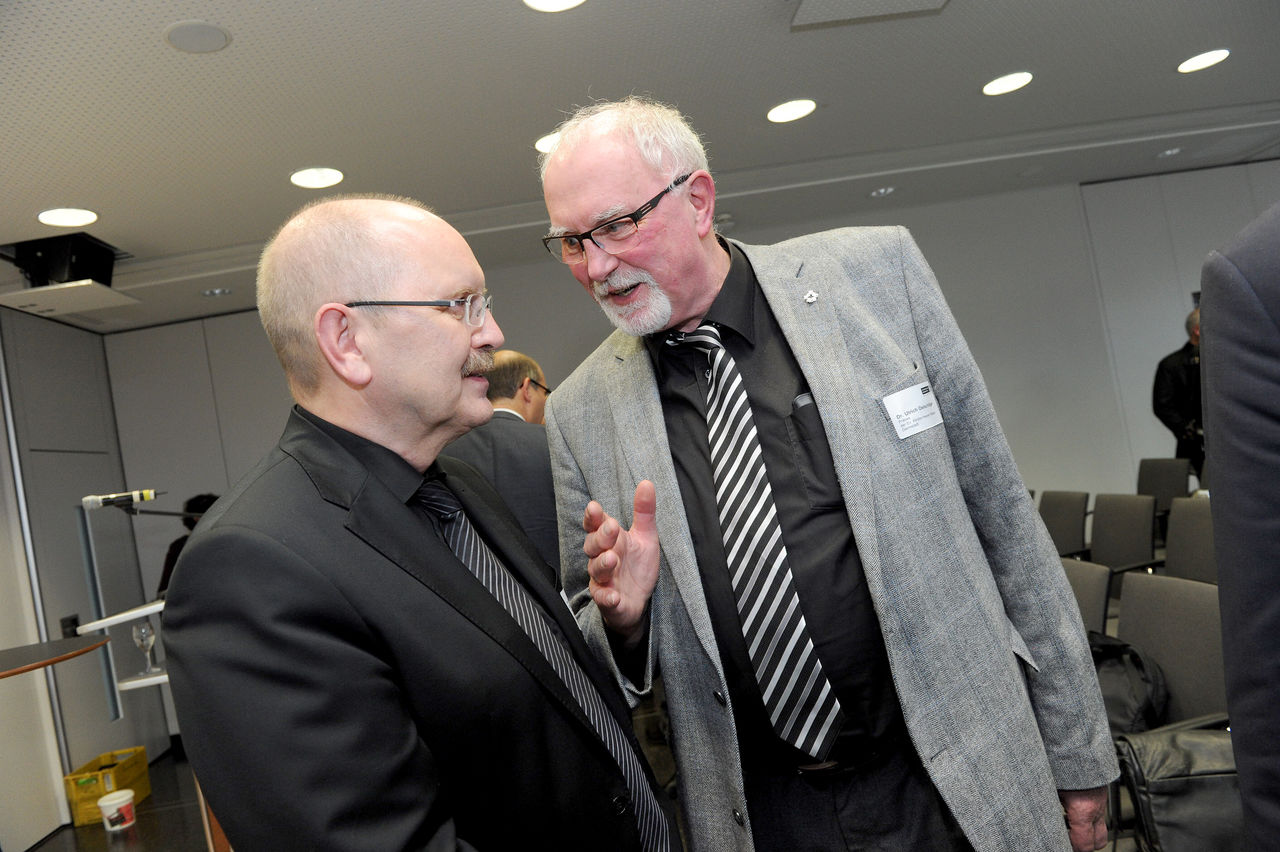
(822, 554)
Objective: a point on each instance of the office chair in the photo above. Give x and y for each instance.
(1063, 513)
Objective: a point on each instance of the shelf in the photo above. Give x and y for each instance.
(121, 617)
(143, 680)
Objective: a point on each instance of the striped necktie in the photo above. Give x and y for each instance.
(480, 560)
(802, 706)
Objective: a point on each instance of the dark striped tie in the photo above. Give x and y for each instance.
(475, 554)
(801, 703)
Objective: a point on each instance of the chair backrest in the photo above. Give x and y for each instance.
(1189, 543)
(1176, 622)
(1164, 479)
(1063, 514)
(1090, 582)
(1123, 529)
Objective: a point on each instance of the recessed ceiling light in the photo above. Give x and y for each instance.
(552, 5)
(315, 178)
(1169, 152)
(1203, 61)
(1008, 83)
(881, 192)
(546, 143)
(197, 37)
(67, 217)
(791, 110)
(215, 292)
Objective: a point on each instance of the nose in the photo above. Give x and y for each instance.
(488, 334)
(599, 263)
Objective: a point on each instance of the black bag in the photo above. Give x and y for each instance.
(1183, 783)
(1132, 685)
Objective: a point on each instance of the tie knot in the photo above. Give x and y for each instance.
(436, 498)
(705, 337)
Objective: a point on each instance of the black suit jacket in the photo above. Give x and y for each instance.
(513, 456)
(344, 682)
(1240, 341)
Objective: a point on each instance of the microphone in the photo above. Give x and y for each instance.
(123, 499)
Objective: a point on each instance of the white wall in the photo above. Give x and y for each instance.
(1150, 237)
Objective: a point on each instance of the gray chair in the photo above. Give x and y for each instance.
(1090, 582)
(1165, 480)
(1189, 544)
(1063, 513)
(1176, 622)
(1122, 531)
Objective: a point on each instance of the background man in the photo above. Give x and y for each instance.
(1241, 302)
(857, 532)
(343, 679)
(1175, 396)
(511, 449)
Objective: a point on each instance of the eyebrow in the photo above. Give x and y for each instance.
(599, 219)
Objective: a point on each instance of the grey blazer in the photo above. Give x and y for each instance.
(984, 638)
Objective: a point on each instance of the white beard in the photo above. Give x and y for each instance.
(648, 313)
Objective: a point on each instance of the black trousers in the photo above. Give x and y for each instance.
(885, 803)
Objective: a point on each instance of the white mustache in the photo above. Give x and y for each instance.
(620, 280)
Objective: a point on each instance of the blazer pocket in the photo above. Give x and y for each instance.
(812, 454)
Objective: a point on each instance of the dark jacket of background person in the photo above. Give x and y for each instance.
(513, 455)
(1240, 306)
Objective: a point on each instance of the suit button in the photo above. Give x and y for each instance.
(720, 698)
(620, 802)
(737, 817)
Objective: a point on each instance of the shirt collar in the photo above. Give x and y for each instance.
(383, 464)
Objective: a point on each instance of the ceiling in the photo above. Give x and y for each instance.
(186, 157)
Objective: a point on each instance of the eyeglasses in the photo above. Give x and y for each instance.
(615, 236)
(538, 384)
(474, 307)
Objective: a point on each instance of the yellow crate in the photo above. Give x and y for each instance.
(106, 773)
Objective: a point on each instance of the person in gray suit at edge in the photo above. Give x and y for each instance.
(927, 683)
(511, 449)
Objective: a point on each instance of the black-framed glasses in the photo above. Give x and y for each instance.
(474, 307)
(538, 384)
(615, 236)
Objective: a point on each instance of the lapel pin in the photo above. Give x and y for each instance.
(810, 297)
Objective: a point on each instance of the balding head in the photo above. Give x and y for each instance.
(332, 250)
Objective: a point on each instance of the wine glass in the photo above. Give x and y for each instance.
(144, 636)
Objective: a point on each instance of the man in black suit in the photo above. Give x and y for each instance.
(343, 679)
(1240, 300)
(1175, 396)
(511, 449)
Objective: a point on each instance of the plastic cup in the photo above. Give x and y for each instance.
(117, 810)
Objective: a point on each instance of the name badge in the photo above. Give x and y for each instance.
(913, 410)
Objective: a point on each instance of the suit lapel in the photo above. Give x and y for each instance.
(395, 531)
(641, 431)
(848, 361)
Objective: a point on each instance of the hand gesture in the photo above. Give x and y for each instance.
(623, 564)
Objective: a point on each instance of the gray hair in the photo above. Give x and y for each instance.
(662, 136)
(1193, 321)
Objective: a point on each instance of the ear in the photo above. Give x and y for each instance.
(340, 345)
(702, 196)
(525, 390)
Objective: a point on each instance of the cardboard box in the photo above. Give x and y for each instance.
(106, 773)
